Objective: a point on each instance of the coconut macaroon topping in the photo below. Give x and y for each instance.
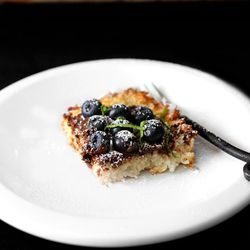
(124, 133)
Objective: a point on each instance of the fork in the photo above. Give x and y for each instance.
(208, 135)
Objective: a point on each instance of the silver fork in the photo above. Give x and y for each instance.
(206, 134)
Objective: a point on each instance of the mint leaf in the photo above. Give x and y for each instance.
(165, 110)
(105, 109)
(141, 131)
(121, 117)
(140, 128)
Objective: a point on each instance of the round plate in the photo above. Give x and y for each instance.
(49, 192)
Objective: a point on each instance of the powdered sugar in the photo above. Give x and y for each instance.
(153, 123)
(94, 101)
(120, 121)
(97, 121)
(155, 146)
(142, 110)
(125, 135)
(114, 157)
(120, 105)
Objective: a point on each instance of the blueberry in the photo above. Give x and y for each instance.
(125, 141)
(117, 129)
(99, 142)
(142, 113)
(119, 110)
(91, 107)
(97, 121)
(154, 131)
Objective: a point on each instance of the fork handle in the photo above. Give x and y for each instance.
(218, 142)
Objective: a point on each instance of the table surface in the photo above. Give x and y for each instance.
(28, 47)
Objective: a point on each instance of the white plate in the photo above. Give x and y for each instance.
(47, 191)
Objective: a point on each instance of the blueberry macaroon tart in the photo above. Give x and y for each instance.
(124, 133)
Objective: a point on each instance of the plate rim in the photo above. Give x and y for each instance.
(57, 216)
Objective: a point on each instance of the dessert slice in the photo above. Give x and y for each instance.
(124, 133)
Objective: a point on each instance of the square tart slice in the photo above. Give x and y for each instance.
(111, 165)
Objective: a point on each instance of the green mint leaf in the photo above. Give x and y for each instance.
(123, 126)
(168, 131)
(141, 131)
(164, 112)
(142, 124)
(105, 109)
(136, 127)
(167, 140)
(121, 117)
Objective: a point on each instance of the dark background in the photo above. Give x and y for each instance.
(210, 36)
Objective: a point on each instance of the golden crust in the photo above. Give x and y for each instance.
(133, 96)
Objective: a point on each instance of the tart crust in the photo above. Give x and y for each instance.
(115, 166)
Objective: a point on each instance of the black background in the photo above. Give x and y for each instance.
(210, 36)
